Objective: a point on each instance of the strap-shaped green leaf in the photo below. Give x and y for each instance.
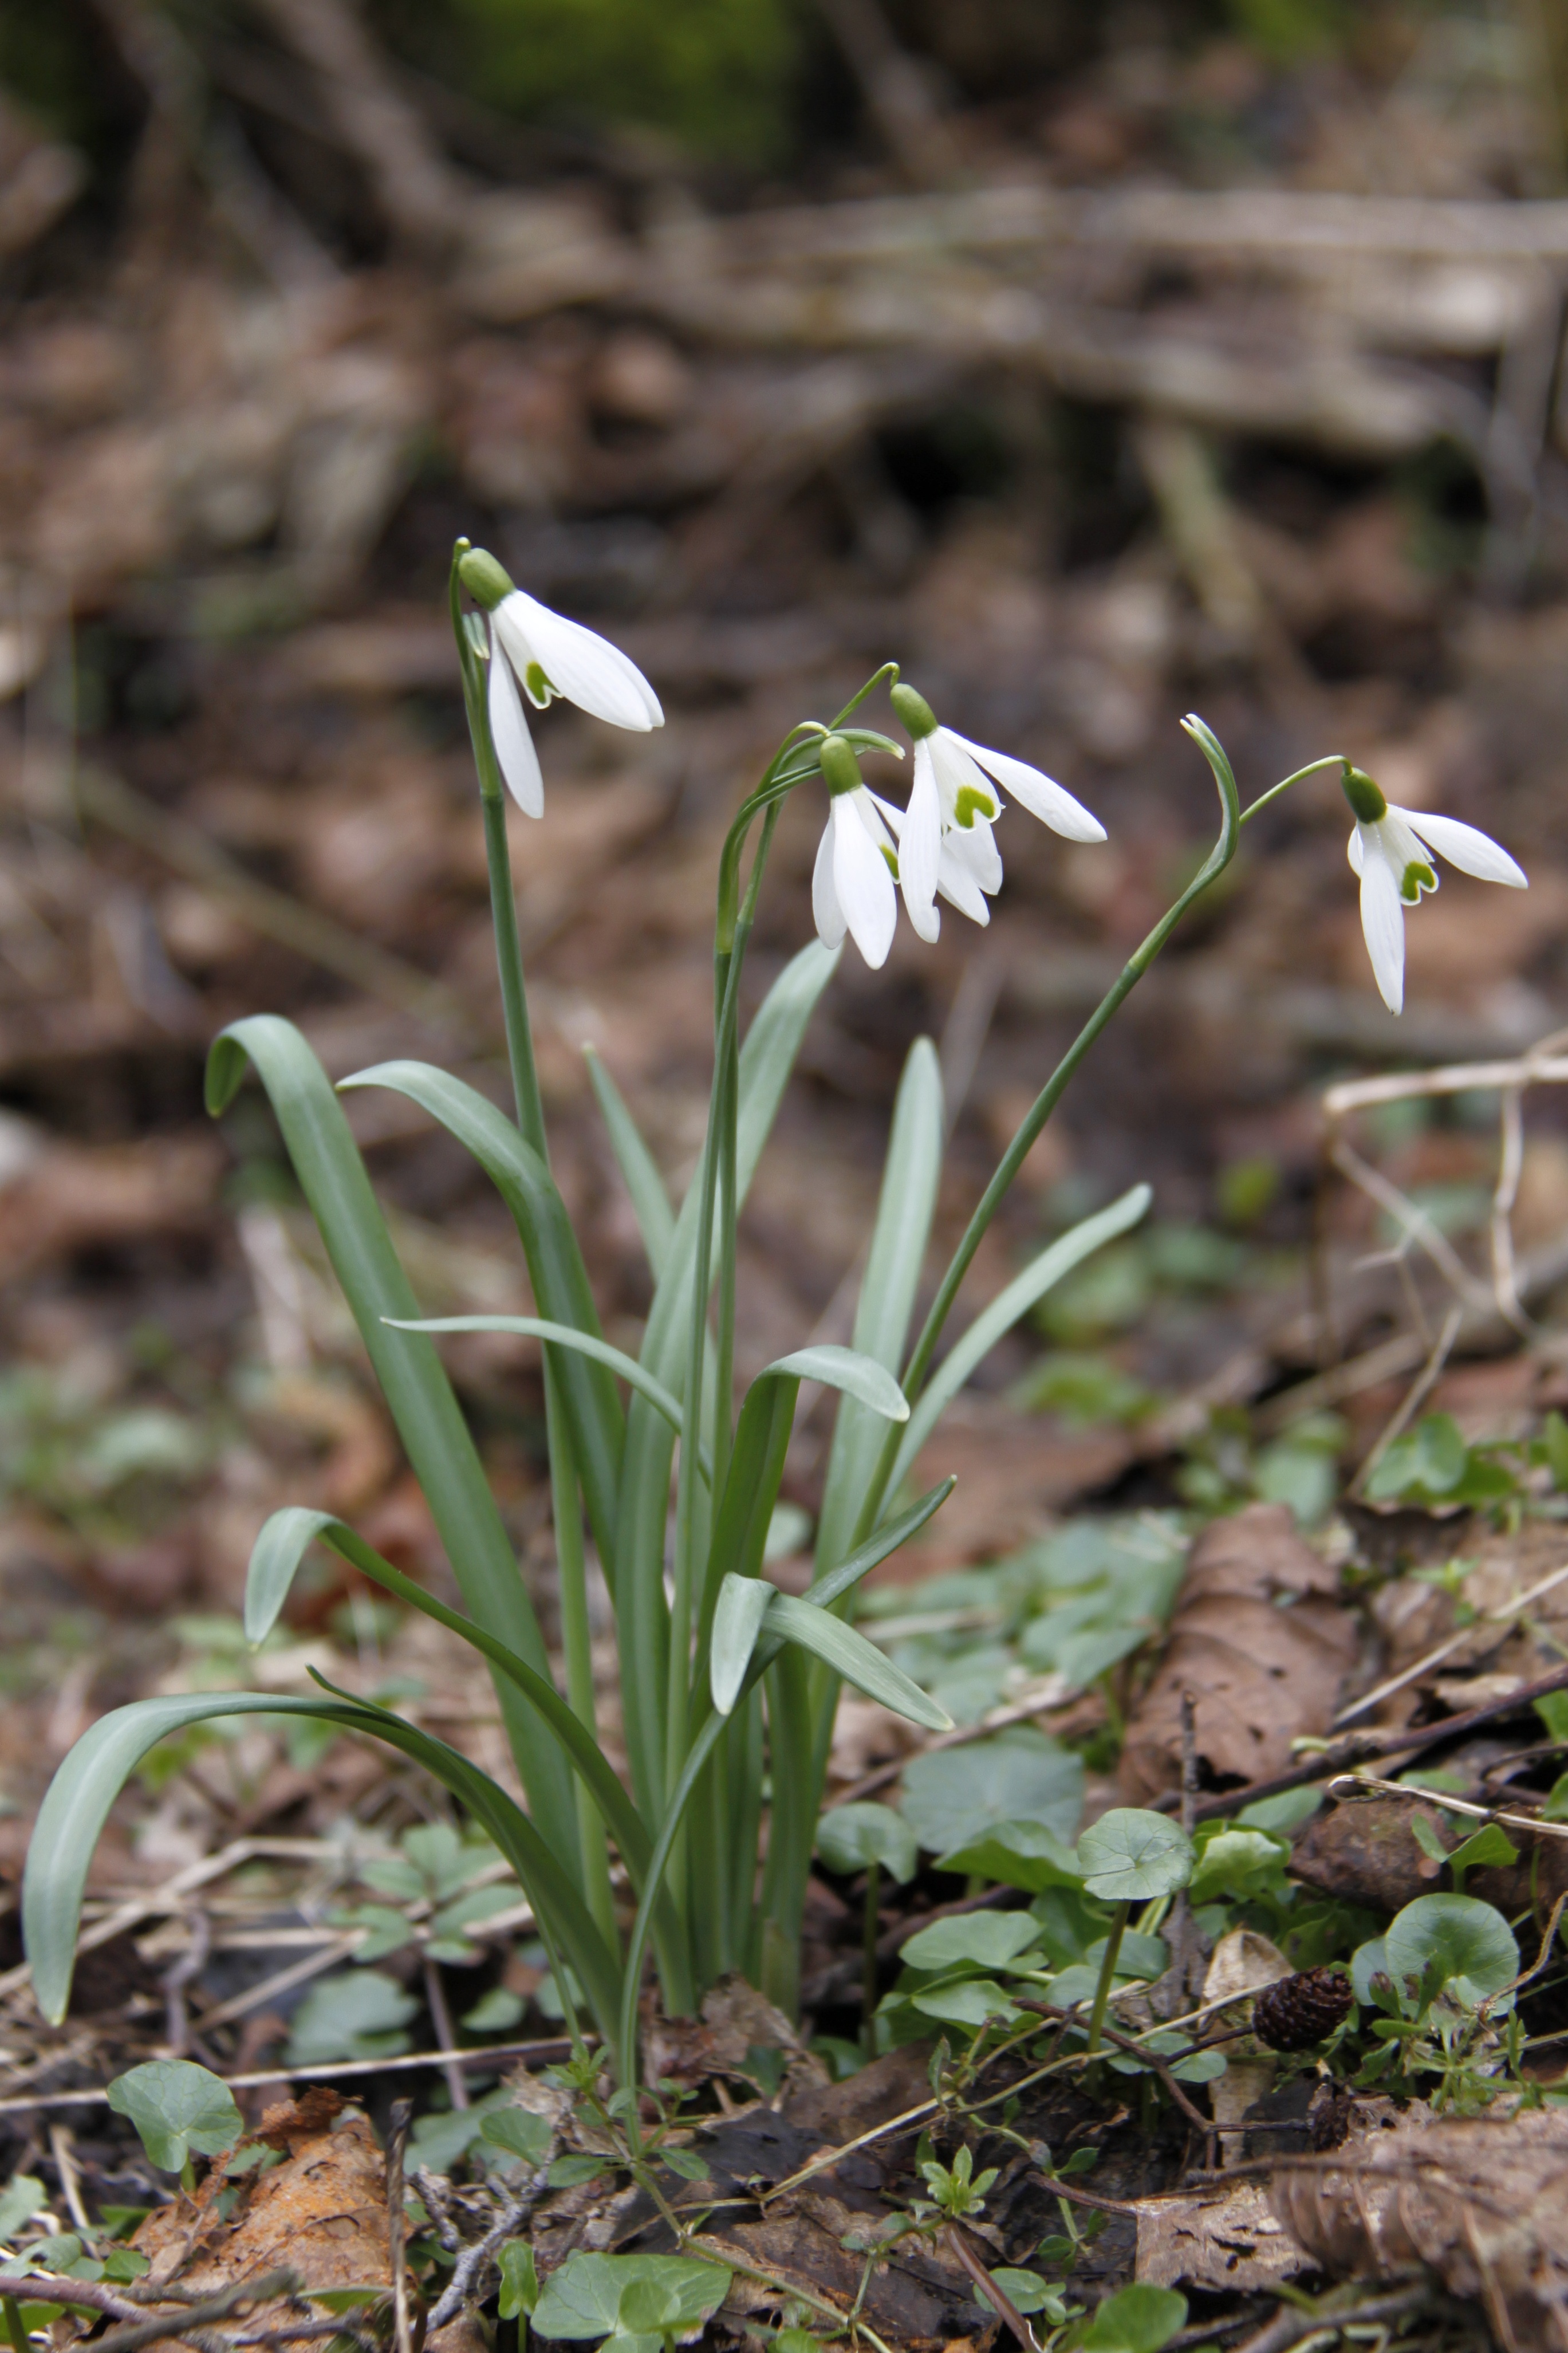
(429, 1421)
(881, 1545)
(737, 1621)
(911, 1176)
(859, 1662)
(554, 1264)
(282, 1544)
(642, 1617)
(650, 1202)
(587, 1343)
(1020, 1295)
(76, 1802)
(762, 1441)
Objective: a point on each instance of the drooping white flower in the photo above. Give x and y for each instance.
(1392, 849)
(946, 847)
(852, 886)
(544, 655)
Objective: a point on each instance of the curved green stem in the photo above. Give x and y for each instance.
(1107, 1976)
(1050, 1095)
(1330, 760)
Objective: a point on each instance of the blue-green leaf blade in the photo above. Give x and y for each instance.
(859, 1662)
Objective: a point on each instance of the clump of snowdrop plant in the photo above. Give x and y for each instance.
(724, 1682)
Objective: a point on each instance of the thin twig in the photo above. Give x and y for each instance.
(1502, 1616)
(441, 2019)
(1414, 1397)
(266, 2289)
(1290, 2325)
(556, 2046)
(400, 2117)
(60, 2149)
(1357, 1785)
(471, 2263)
(993, 2295)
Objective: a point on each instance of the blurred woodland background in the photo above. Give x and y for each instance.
(1096, 362)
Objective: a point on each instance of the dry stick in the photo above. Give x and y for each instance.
(1414, 1397)
(1355, 1785)
(441, 2018)
(1357, 1748)
(557, 2046)
(988, 2288)
(471, 2263)
(1151, 2059)
(1289, 2326)
(70, 2180)
(138, 2330)
(1501, 1616)
(401, 2117)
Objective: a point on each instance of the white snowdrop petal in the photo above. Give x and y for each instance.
(862, 881)
(1466, 847)
(958, 772)
(1036, 792)
(825, 904)
(580, 664)
(919, 845)
(1383, 922)
(510, 733)
(976, 852)
(958, 888)
(1355, 849)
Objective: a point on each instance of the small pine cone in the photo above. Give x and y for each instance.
(1297, 2012)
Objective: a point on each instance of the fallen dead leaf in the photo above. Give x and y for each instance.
(1480, 2201)
(1260, 1642)
(323, 2210)
(1233, 2242)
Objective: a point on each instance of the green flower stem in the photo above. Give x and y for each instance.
(497, 857)
(576, 1641)
(1330, 760)
(1106, 1974)
(1045, 1102)
(14, 2329)
(868, 1979)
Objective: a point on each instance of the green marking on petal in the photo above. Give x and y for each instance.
(892, 861)
(1417, 878)
(973, 803)
(539, 690)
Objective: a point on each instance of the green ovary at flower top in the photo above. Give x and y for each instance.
(727, 1688)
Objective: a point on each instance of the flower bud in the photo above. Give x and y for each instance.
(914, 710)
(1365, 797)
(840, 769)
(484, 579)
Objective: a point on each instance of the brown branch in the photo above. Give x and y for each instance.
(265, 2290)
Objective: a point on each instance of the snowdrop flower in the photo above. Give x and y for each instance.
(549, 656)
(946, 847)
(852, 884)
(1392, 849)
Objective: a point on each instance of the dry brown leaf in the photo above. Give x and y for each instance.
(1261, 1643)
(1232, 2242)
(1481, 2201)
(322, 2211)
(76, 1195)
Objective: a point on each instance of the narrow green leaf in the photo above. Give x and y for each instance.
(860, 1377)
(650, 1202)
(859, 1662)
(766, 1059)
(420, 1398)
(554, 1264)
(281, 1545)
(586, 1344)
(737, 1621)
(911, 1176)
(1005, 1311)
(76, 1802)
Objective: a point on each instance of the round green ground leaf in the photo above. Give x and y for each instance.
(953, 1796)
(852, 1838)
(987, 1940)
(1130, 1856)
(1137, 2319)
(1472, 1941)
(177, 2106)
(589, 2293)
